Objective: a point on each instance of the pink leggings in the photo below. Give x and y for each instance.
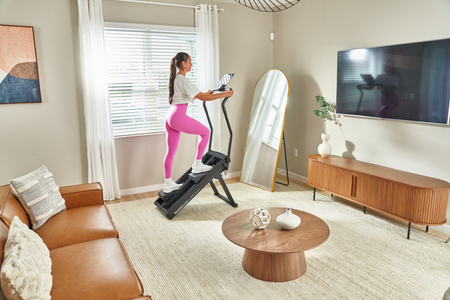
(177, 121)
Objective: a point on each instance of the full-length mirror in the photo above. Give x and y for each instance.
(265, 130)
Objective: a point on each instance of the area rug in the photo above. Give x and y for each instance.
(365, 257)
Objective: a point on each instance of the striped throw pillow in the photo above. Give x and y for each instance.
(39, 195)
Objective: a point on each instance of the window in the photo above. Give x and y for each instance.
(272, 132)
(138, 61)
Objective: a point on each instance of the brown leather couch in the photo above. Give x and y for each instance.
(88, 260)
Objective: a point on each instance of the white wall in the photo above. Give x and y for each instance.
(308, 37)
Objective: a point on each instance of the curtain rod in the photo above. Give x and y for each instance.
(219, 9)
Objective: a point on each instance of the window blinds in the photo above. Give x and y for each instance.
(138, 60)
(272, 132)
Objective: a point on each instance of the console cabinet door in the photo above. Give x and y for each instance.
(329, 178)
(371, 190)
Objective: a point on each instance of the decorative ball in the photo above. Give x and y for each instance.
(260, 218)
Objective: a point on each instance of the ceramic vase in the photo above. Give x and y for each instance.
(288, 220)
(324, 149)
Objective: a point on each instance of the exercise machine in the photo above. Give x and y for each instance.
(171, 203)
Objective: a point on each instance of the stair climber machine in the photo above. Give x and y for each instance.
(171, 203)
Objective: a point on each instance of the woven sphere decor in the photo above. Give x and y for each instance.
(268, 5)
(259, 218)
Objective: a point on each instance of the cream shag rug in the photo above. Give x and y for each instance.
(365, 257)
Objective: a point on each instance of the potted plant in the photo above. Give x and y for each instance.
(326, 113)
(327, 109)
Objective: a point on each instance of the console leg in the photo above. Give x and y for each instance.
(427, 228)
(314, 194)
(364, 210)
(409, 229)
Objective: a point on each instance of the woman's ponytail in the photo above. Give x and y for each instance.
(174, 64)
(173, 74)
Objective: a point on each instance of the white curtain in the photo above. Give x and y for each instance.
(258, 123)
(99, 134)
(206, 23)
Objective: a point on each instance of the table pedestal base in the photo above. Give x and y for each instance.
(274, 267)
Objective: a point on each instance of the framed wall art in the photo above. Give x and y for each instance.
(19, 78)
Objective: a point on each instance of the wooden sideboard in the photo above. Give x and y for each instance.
(414, 198)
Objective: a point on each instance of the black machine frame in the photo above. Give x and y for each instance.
(172, 203)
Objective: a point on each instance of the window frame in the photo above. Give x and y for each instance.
(193, 109)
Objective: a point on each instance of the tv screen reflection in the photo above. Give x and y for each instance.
(405, 82)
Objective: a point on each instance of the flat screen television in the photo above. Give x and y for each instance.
(403, 82)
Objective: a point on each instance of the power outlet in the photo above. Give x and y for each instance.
(295, 152)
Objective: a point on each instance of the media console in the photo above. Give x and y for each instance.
(411, 197)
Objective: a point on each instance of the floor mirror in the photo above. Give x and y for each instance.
(265, 130)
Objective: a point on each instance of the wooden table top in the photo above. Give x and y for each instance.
(311, 232)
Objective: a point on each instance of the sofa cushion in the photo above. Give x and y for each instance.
(11, 207)
(39, 195)
(26, 268)
(77, 225)
(94, 270)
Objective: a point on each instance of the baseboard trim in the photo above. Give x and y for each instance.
(158, 187)
(442, 228)
(293, 175)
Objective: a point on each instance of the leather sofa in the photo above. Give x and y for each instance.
(88, 259)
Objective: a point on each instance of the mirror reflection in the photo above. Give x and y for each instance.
(265, 130)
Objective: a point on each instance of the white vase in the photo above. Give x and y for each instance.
(288, 220)
(324, 149)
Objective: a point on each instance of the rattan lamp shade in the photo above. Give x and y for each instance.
(268, 5)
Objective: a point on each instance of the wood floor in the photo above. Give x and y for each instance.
(154, 194)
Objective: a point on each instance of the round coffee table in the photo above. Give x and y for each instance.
(274, 254)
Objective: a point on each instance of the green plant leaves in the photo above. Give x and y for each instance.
(327, 108)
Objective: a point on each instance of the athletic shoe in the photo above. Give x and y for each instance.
(200, 168)
(169, 188)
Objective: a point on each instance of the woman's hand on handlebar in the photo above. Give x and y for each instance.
(228, 93)
(207, 96)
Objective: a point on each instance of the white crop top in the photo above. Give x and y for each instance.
(184, 90)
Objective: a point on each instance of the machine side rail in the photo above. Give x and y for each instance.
(210, 125)
(229, 129)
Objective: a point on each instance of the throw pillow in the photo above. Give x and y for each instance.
(39, 195)
(26, 268)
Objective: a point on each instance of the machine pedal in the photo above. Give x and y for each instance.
(196, 177)
(165, 196)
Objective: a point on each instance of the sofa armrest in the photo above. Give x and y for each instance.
(82, 195)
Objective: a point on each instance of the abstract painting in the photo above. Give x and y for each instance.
(19, 79)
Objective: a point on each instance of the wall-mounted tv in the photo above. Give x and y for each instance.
(404, 82)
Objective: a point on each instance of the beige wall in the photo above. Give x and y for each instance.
(50, 133)
(308, 37)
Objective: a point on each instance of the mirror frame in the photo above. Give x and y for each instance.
(281, 135)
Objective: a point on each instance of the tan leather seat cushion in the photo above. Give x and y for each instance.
(77, 225)
(94, 270)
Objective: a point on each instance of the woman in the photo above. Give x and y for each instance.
(181, 93)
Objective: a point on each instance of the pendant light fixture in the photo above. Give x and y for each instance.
(268, 5)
